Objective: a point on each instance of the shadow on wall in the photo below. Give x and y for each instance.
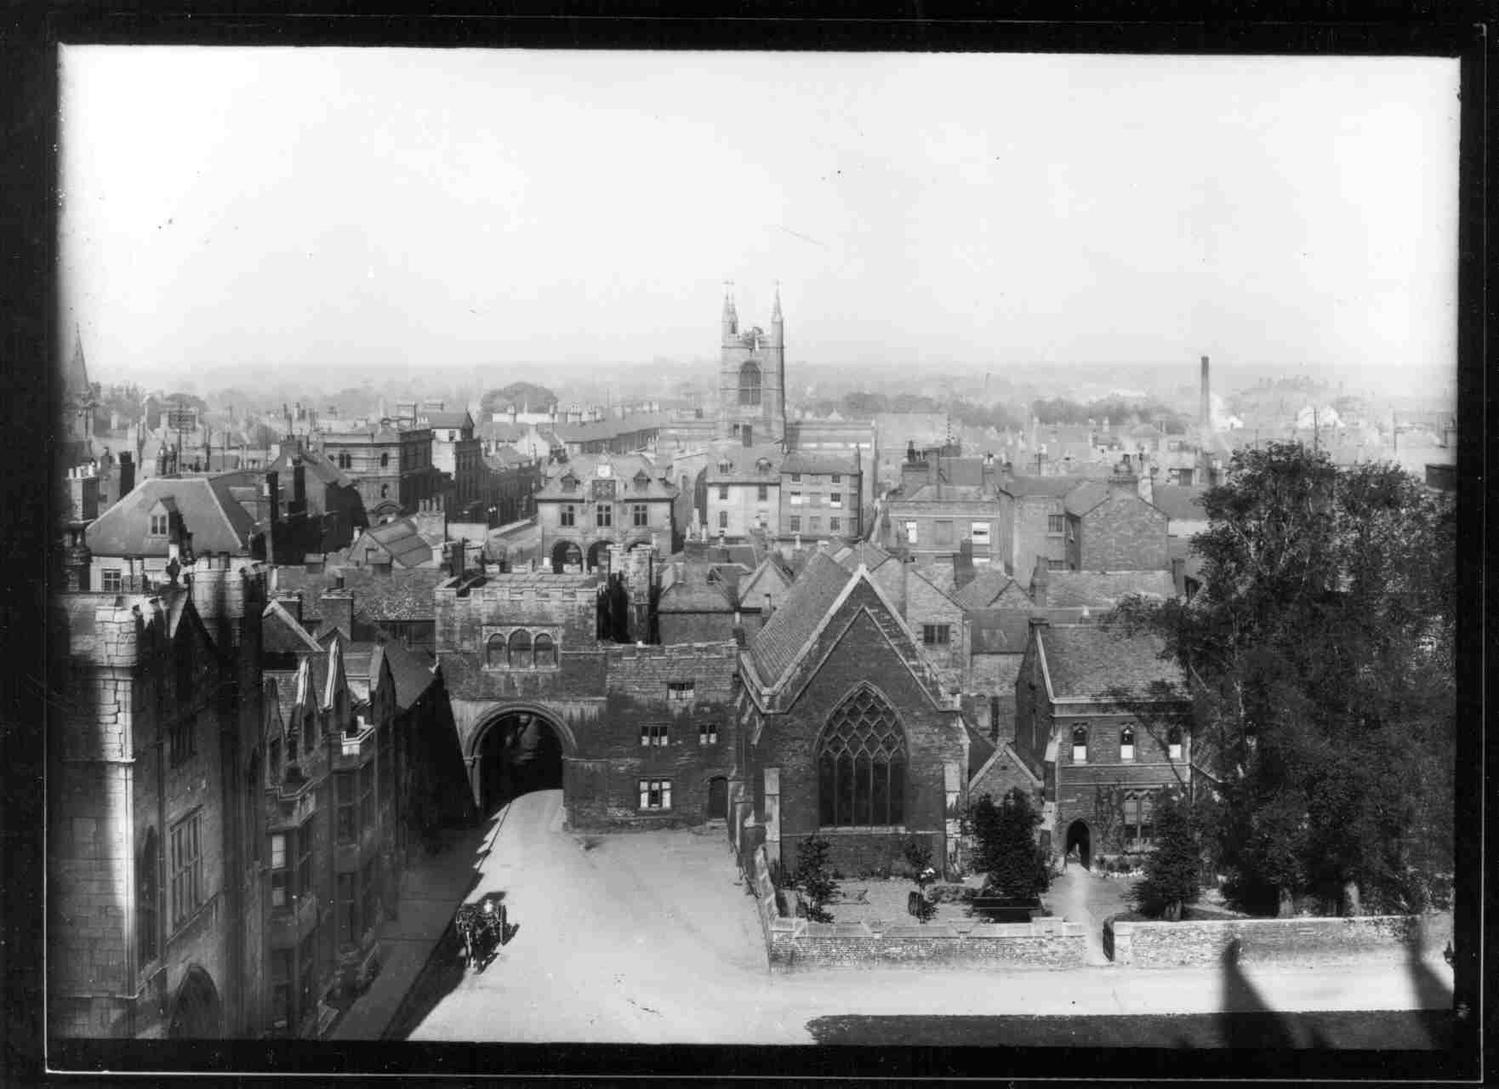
(1431, 991)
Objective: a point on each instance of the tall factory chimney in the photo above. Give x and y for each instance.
(1206, 414)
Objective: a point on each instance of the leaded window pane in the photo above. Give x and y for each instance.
(861, 763)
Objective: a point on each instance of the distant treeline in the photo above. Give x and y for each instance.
(1002, 416)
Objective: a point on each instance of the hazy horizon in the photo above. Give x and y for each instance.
(336, 212)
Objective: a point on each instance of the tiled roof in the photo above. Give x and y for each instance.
(208, 508)
(501, 430)
(1055, 486)
(408, 594)
(1087, 495)
(693, 593)
(776, 645)
(1104, 589)
(1094, 661)
(504, 459)
(988, 583)
(1180, 503)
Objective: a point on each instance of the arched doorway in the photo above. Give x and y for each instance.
(518, 753)
(196, 1012)
(718, 798)
(598, 557)
(567, 558)
(1080, 837)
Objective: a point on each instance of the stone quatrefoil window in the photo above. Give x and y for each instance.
(861, 764)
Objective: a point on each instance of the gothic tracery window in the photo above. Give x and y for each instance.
(861, 764)
(749, 384)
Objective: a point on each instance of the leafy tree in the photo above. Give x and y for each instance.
(1319, 656)
(1173, 871)
(519, 394)
(1015, 864)
(814, 876)
(863, 404)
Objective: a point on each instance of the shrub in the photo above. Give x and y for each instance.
(1173, 871)
(917, 853)
(1015, 864)
(816, 878)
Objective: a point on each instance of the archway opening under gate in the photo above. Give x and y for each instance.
(520, 752)
(1079, 839)
(197, 1013)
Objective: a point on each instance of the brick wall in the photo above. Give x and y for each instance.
(1031, 535)
(1280, 941)
(1079, 786)
(925, 604)
(1123, 533)
(1043, 943)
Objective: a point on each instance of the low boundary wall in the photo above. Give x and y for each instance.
(1043, 943)
(1296, 940)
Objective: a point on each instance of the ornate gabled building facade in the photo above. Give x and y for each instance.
(152, 878)
(846, 730)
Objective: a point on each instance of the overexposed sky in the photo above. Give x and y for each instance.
(327, 208)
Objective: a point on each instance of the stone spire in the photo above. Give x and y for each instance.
(730, 319)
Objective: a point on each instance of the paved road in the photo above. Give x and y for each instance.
(649, 938)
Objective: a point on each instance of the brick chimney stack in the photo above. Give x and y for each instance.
(1206, 410)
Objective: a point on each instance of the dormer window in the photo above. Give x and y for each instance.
(159, 524)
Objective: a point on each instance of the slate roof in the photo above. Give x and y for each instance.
(411, 670)
(942, 493)
(776, 645)
(280, 633)
(1092, 661)
(798, 462)
(445, 418)
(318, 465)
(209, 511)
(743, 464)
(1104, 589)
(625, 468)
(984, 589)
(1181, 503)
(1055, 486)
(611, 426)
(868, 553)
(403, 541)
(504, 459)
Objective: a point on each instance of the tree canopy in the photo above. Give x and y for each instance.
(1320, 658)
(519, 394)
(1015, 864)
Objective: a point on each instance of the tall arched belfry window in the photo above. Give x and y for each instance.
(861, 764)
(749, 384)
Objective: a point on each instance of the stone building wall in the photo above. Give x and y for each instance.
(789, 741)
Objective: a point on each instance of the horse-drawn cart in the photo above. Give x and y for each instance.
(481, 930)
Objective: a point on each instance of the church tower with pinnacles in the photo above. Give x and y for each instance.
(752, 378)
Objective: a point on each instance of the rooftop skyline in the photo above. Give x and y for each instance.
(333, 208)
